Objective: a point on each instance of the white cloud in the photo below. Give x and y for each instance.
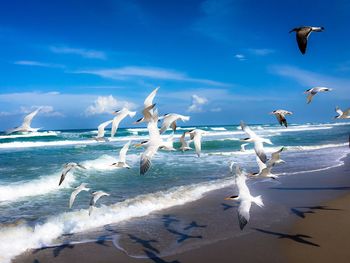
(261, 51)
(107, 104)
(147, 72)
(45, 110)
(240, 57)
(37, 64)
(85, 53)
(197, 103)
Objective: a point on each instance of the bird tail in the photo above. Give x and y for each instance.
(90, 209)
(132, 114)
(258, 201)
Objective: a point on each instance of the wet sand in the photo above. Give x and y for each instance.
(305, 219)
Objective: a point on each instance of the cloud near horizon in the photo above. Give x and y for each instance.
(197, 103)
(107, 104)
(85, 53)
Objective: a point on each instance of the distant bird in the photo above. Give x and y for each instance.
(243, 147)
(257, 140)
(313, 91)
(120, 115)
(101, 131)
(27, 121)
(184, 144)
(342, 114)
(152, 145)
(148, 107)
(170, 120)
(245, 199)
(196, 136)
(122, 157)
(281, 116)
(302, 35)
(77, 190)
(68, 167)
(95, 196)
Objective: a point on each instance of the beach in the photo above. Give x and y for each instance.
(305, 219)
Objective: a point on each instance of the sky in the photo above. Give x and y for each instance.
(217, 61)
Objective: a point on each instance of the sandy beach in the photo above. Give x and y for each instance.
(305, 220)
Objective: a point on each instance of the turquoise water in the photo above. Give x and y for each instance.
(30, 168)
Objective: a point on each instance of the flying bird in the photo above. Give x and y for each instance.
(313, 91)
(122, 157)
(68, 167)
(281, 116)
(243, 147)
(27, 121)
(196, 137)
(120, 115)
(77, 190)
(101, 131)
(257, 140)
(265, 169)
(245, 200)
(170, 120)
(148, 107)
(302, 35)
(95, 196)
(184, 144)
(342, 114)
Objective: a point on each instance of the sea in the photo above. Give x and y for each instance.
(34, 210)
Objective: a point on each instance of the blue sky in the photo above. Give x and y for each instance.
(217, 61)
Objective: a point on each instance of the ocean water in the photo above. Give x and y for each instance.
(34, 210)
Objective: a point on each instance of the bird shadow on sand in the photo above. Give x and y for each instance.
(152, 256)
(299, 238)
(302, 210)
(344, 188)
(169, 219)
(147, 244)
(55, 250)
(182, 236)
(227, 206)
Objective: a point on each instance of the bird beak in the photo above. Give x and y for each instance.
(137, 145)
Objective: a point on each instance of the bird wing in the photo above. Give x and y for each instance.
(64, 172)
(241, 184)
(27, 121)
(197, 143)
(73, 196)
(261, 165)
(302, 36)
(123, 151)
(101, 128)
(247, 130)
(149, 100)
(146, 158)
(275, 157)
(153, 130)
(347, 112)
(281, 119)
(167, 121)
(309, 97)
(339, 111)
(259, 150)
(243, 213)
(115, 123)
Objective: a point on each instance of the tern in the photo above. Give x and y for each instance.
(148, 107)
(184, 144)
(313, 91)
(257, 140)
(302, 35)
(170, 120)
(101, 131)
(122, 157)
(196, 137)
(281, 116)
(27, 121)
(95, 196)
(77, 190)
(68, 167)
(342, 114)
(120, 115)
(245, 200)
(265, 169)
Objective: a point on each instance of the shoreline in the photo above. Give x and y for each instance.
(215, 233)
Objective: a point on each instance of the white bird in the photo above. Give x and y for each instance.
(342, 114)
(152, 145)
(245, 200)
(257, 140)
(313, 91)
(95, 196)
(170, 120)
(243, 147)
(68, 167)
(148, 107)
(184, 144)
(122, 157)
(120, 115)
(265, 169)
(196, 137)
(77, 190)
(302, 35)
(281, 116)
(101, 131)
(27, 121)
